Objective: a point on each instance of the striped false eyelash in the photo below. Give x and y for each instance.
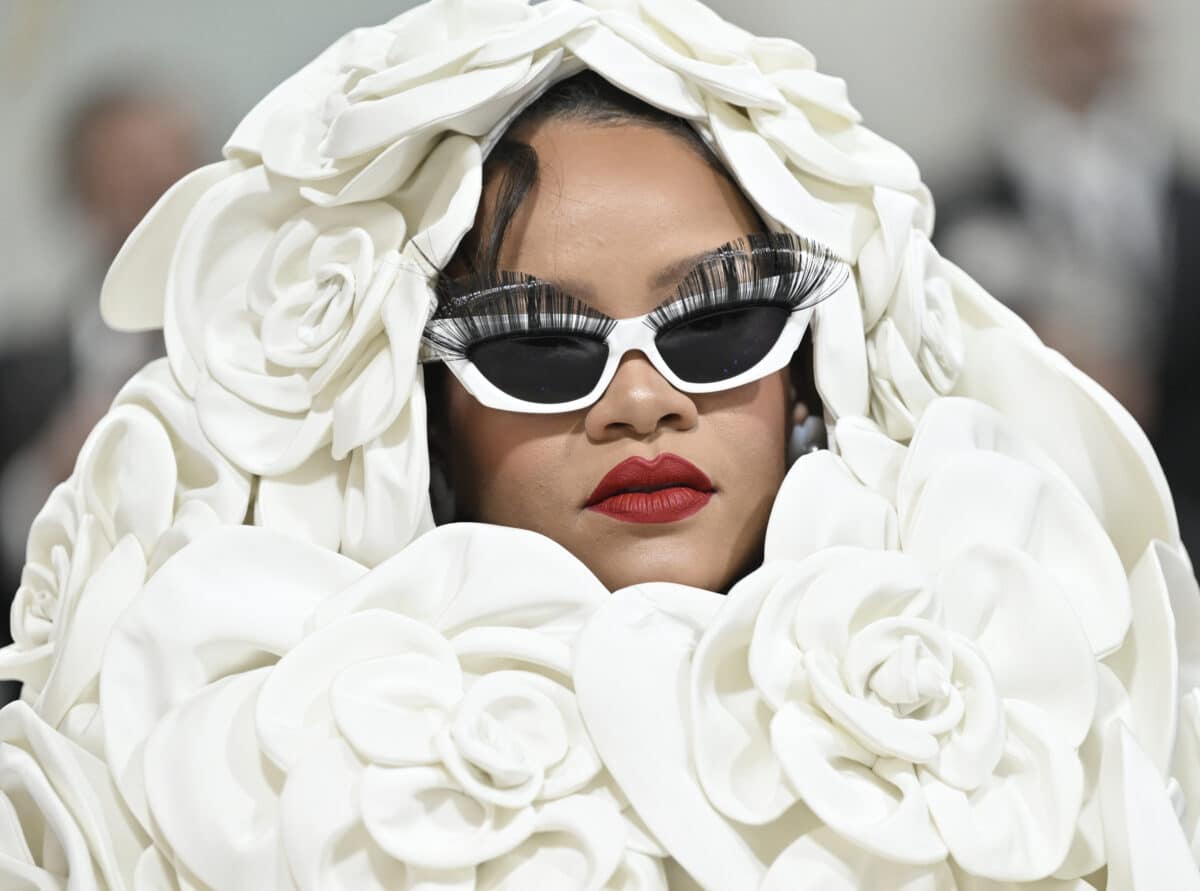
(766, 269)
(483, 308)
(776, 269)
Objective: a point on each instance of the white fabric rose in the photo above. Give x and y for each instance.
(915, 714)
(146, 483)
(633, 657)
(312, 725)
(62, 824)
(295, 329)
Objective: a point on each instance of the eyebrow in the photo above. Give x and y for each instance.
(671, 274)
(675, 272)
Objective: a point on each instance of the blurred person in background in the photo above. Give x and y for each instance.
(122, 147)
(1085, 224)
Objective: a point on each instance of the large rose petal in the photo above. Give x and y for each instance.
(212, 796)
(387, 682)
(576, 843)
(737, 82)
(60, 816)
(875, 802)
(219, 245)
(631, 660)
(465, 574)
(321, 825)
(1184, 594)
(131, 298)
(518, 727)
(1019, 826)
(1146, 848)
(126, 475)
(1147, 664)
(971, 479)
(204, 474)
(64, 548)
(386, 492)
(732, 673)
(821, 504)
(824, 861)
(420, 815)
(1043, 397)
(634, 71)
(1186, 770)
(267, 586)
(373, 124)
(29, 806)
(776, 191)
(305, 503)
(989, 593)
(81, 647)
(838, 592)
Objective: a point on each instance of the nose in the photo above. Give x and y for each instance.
(639, 402)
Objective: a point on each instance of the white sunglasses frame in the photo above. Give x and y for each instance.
(633, 335)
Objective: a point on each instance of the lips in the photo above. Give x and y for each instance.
(664, 490)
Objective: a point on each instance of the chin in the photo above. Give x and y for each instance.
(657, 561)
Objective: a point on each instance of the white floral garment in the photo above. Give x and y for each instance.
(970, 659)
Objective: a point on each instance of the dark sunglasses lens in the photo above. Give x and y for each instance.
(722, 344)
(546, 369)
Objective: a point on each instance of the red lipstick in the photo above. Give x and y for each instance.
(664, 490)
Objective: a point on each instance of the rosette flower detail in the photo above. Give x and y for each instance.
(413, 726)
(917, 715)
(297, 339)
(146, 482)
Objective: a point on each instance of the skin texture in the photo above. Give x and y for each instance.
(615, 207)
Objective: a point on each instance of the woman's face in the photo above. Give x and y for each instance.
(616, 215)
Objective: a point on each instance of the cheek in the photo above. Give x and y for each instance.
(504, 464)
(751, 426)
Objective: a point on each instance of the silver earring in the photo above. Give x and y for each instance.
(807, 436)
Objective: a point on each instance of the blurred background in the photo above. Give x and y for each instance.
(1061, 138)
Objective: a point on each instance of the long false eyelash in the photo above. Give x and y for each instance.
(768, 269)
(480, 308)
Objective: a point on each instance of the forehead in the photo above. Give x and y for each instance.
(616, 210)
